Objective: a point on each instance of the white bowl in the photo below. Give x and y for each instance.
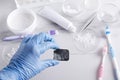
(22, 21)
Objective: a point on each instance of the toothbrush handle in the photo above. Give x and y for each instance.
(112, 54)
(116, 69)
(100, 71)
(115, 64)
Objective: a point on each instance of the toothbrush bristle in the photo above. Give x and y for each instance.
(107, 31)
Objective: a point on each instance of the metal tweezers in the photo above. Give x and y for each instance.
(90, 20)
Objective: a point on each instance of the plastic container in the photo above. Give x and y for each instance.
(8, 52)
(86, 41)
(22, 21)
(72, 8)
(108, 12)
(76, 7)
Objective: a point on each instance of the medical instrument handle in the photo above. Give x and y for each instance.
(89, 21)
(11, 38)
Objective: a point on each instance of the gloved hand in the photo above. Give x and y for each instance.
(26, 62)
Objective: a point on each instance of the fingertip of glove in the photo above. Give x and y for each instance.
(52, 62)
(55, 62)
(42, 33)
(57, 47)
(52, 45)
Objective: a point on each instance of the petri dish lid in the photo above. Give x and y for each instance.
(86, 41)
(108, 12)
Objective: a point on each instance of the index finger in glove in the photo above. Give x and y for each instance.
(44, 37)
(45, 46)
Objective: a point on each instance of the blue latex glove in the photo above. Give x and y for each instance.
(26, 62)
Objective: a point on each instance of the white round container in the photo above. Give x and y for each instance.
(76, 7)
(22, 21)
(108, 12)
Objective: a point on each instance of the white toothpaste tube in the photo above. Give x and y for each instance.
(55, 17)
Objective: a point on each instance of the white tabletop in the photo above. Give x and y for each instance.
(79, 67)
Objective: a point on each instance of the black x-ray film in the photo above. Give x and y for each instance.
(61, 54)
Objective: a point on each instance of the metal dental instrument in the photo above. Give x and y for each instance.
(90, 20)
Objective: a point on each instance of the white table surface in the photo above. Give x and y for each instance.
(79, 67)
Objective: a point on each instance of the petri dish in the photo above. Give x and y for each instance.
(8, 51)
(108, 12)
(86, 41)
(73, 7)
(91, 4)
(76, 7)
(26, 21)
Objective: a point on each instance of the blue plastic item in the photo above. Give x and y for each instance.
(26, 62)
